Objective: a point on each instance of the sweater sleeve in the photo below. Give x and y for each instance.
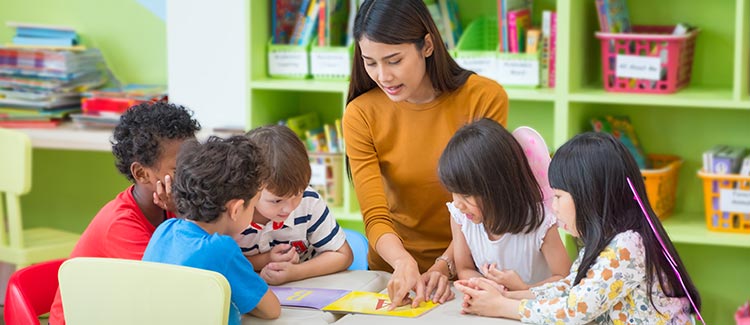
(617, 271)
(366, 174)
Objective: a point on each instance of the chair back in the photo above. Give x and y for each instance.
(15, 180)
(359, 245)
(119, 291)
(30, 293)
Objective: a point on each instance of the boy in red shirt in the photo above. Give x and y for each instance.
(145, 144)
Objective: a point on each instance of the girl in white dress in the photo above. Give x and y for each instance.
(500, 227)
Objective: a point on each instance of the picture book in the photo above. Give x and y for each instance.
(621, 128)
(613, 16)
(503, 7)
(375, 303)
(283, 19)
(533, 38)
(316, 298)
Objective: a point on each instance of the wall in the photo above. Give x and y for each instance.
(69, 187)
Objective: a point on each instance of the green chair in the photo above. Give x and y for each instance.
(20, 246)
(119, 291)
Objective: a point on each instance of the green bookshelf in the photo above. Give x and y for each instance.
(713, 109)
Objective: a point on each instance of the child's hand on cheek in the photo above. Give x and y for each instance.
(163, 194)
(508, 278)
(284, 253)
(276, 273)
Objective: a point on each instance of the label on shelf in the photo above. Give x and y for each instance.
(330, 63)
(734, 200)
(287, 63)
(485, 66)
(318, 176)
(639, 67)
(518, 72)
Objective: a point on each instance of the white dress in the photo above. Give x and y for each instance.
(518, 252)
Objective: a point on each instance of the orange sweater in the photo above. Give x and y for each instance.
(393, 149)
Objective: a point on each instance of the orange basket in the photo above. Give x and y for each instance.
(661, 183)
(727, 202)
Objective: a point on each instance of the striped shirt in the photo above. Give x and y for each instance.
(310, 228)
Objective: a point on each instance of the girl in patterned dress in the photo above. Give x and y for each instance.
(622, 275)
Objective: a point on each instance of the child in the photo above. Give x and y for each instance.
(621, 274)
(293, 235)
(499, 223)
(216, 188)
(145, 145)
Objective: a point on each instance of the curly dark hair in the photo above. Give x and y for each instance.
(208, 175)
(143, 127)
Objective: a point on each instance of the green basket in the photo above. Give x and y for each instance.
(288, 61)
(478, 50)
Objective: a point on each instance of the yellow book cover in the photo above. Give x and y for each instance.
(375, 303)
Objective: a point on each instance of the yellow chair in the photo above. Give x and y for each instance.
(19, 246)
(118, 291)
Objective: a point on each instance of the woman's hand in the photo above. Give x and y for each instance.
(405, 277)
(508, 278)
(437, 285)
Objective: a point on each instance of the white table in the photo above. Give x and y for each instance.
(373, 281)
(447, 313)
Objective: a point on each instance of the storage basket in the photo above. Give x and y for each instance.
(327, 176)
(288, 61)
(661, 183)
(742, 315)
(726, 199)
(478, 50)
(650, 60)
(330, 62)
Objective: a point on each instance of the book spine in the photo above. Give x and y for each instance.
(552, 48)
(322, 23)
(513, 32)
(22, 40)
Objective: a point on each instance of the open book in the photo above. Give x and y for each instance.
(346, 301)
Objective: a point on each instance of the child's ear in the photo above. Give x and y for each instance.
(140, 173)
(235, 208)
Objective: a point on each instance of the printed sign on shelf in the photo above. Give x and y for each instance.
(639, 67)
(734, 200)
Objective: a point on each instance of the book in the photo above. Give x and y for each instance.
(375, 303)
(315, 298)
(545, 47)
(451, 23)
(621, 128)
(283, 19)
(613, 16)
(518, 23)
(301, 123)
(44, 41)
(552, 47)
(533, 38)
(310, 23)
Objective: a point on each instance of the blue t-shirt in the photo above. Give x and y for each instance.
(181, 242)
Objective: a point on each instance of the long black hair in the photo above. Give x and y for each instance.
(402, 22)
(593, 168)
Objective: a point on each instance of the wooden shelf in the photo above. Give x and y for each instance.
(691, 229)
(693, 96)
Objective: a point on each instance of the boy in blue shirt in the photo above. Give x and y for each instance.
(216, 188)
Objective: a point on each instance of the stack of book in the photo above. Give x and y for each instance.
(102, 108)
(40, 85)
(46, 84)
(298, 22)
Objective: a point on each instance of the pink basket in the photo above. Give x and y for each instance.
(742, 316)
(675, 53)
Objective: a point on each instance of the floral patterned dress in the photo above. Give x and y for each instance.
(613, 292)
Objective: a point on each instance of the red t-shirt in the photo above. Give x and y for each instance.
(119, 230)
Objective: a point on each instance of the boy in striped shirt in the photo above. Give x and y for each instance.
(293, 235)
